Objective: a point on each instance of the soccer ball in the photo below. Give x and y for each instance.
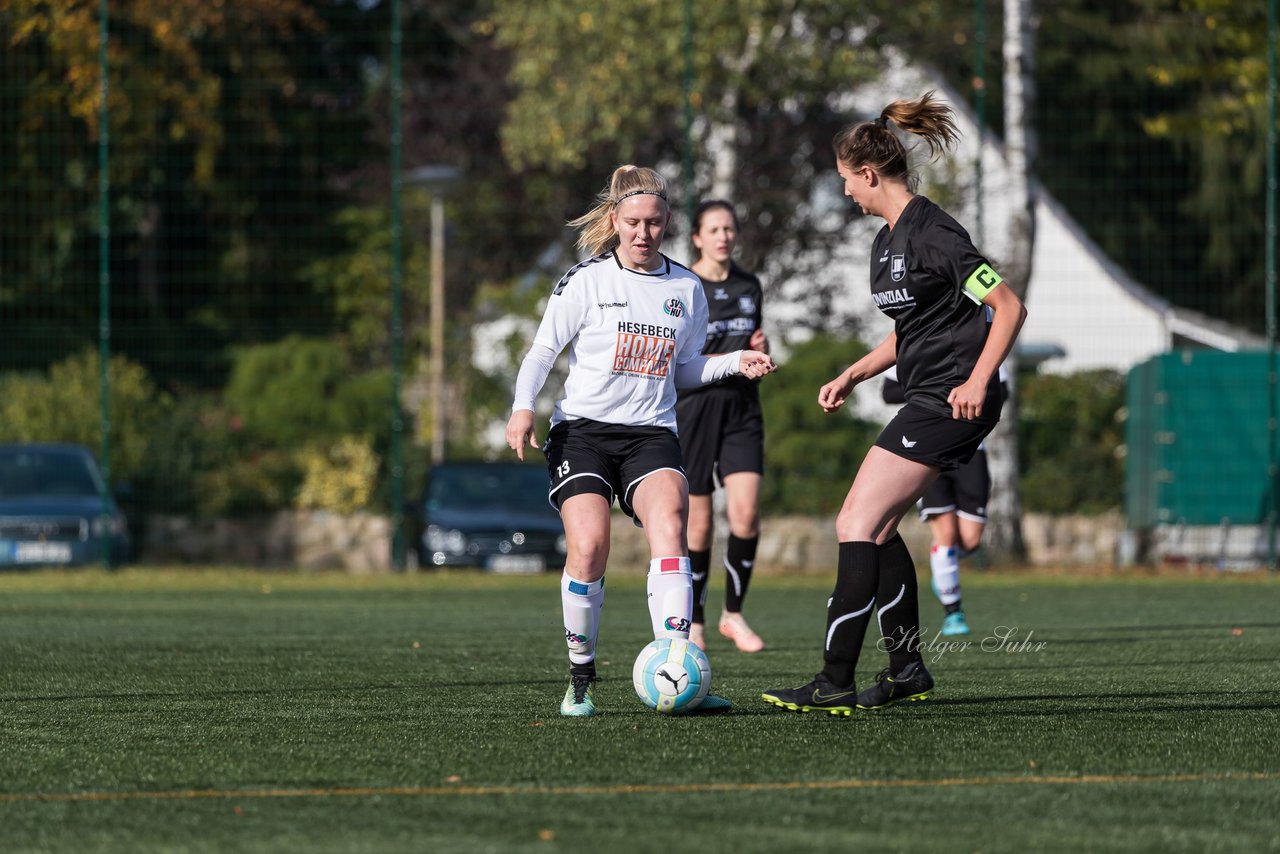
(671, 675)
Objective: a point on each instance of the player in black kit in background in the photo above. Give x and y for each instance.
(955, 321)
(722, 429)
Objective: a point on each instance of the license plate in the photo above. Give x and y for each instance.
(517, 563)
(42, 552)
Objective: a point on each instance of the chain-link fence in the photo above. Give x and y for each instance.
(280, 254)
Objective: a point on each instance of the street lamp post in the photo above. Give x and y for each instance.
(438, 180)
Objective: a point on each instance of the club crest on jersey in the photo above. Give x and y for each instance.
(898, 267)
(674, 307)
(747, 305)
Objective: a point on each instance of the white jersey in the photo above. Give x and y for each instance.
(627, 331)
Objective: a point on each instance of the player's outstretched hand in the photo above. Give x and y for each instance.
(753, 364)
(832, 395)
(520, 430)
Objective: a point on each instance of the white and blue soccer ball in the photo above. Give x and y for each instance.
(671, 675)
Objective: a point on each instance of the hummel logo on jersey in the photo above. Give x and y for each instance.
(720, 294)
(885, 256)
(907, 443)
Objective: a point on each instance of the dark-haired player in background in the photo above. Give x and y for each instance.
(722, 428)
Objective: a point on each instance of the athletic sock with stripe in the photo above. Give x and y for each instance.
(670, 597)
(849, 610)
(581, 602)
(898, 604)
(699, 568)
(739, 562)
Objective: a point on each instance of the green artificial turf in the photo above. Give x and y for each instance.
(238, 711)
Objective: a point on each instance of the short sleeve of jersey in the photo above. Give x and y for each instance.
(948, 253)
(566, 310)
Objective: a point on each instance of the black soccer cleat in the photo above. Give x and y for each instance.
(913, 683)
(818, 696)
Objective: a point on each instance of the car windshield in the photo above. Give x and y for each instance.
(31, 472)
(499, 487)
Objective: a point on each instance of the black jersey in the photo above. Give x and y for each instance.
(927, 276)
(734, 307)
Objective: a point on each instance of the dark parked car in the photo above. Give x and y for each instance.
(491, 515)
(51, 508)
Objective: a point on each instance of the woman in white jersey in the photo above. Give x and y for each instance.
(634, 322)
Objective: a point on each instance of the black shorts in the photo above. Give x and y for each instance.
(592, 457)
(941, 441)
(721, 433)
(963, 491)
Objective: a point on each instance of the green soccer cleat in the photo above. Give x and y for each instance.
(818, 696)
(712, 705)
(955, 624)
(913, 683)
(578, 702)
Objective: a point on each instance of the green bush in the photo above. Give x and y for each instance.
(298, 390)
(65, 406)
(190, 438)
(249, 485)
(340, 477)
(1068, 434)
(810, 456)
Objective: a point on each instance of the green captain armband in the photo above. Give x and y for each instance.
(981, 282)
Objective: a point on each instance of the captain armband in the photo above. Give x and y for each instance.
(981, 282)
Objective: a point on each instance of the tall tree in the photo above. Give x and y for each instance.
(599, 84)
(229, 124)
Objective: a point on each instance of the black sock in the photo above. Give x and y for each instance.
(849, 611)
(588, 670)
(953, 607)
(699, 564)
(739, 560)
(898, 604)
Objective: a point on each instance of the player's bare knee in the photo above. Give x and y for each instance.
(585, 560)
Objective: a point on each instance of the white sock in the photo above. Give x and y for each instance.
(670, 597)
(582, 603)
(945, 563)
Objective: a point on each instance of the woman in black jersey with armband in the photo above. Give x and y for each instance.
(722, 429)
(928, 277)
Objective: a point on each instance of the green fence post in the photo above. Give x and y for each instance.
(104, 288)
(1272, 471)
(397, 280)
